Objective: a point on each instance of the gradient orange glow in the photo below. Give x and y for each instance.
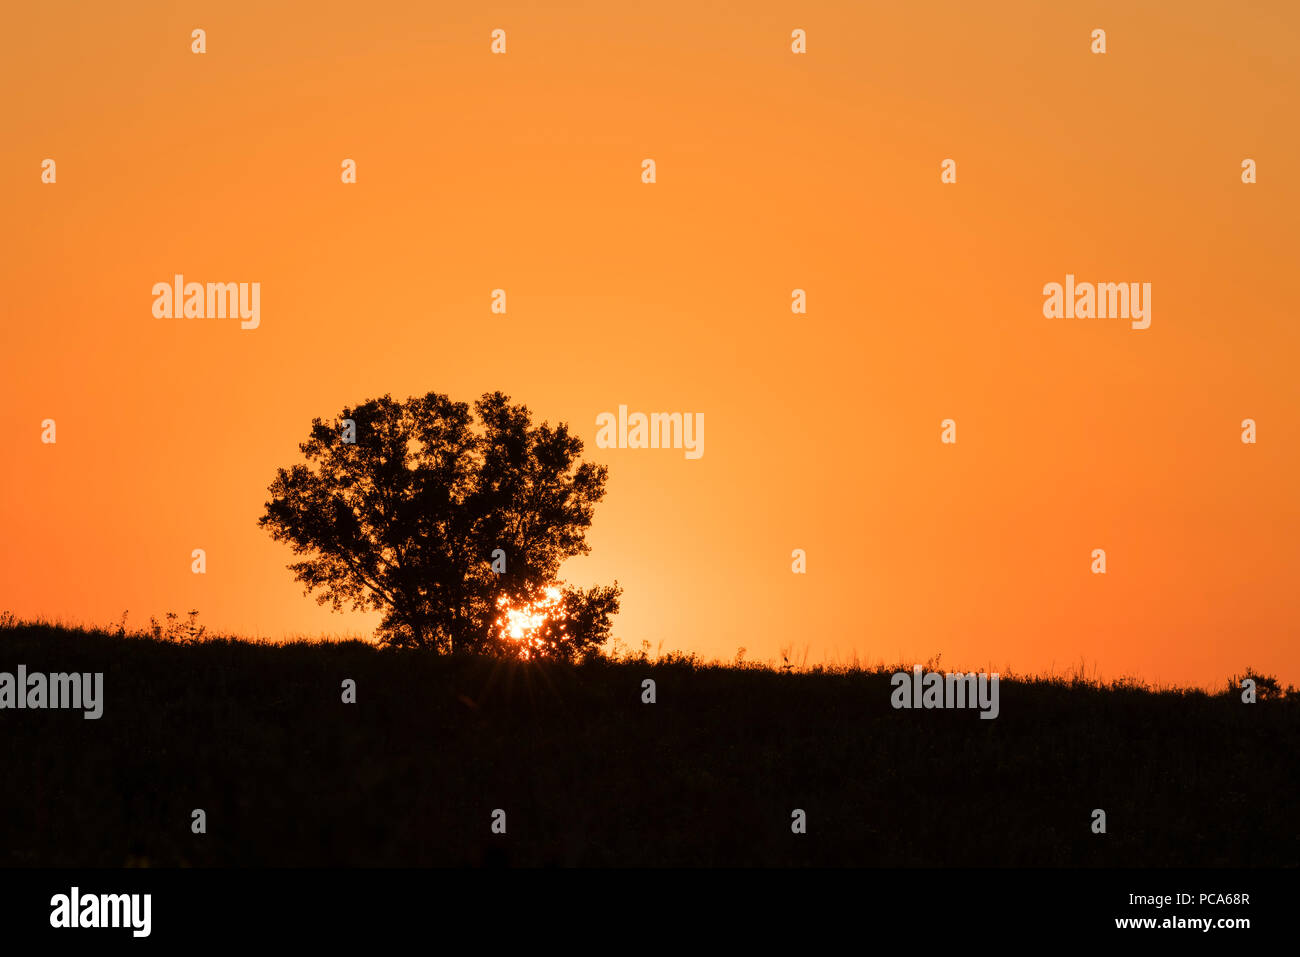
(775, 172)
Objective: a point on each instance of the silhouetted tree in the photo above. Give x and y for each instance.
(407, 518)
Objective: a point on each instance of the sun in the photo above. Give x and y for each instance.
(533, 627)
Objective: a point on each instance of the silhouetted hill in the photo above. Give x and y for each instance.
(258, 737)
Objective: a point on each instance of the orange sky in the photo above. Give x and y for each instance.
(775, 172)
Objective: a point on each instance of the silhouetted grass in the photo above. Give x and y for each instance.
(256, 734)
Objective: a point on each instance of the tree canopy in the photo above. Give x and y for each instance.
(452, 522)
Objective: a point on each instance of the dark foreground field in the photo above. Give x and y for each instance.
(258, 737)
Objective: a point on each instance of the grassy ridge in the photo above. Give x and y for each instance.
(258, 737)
